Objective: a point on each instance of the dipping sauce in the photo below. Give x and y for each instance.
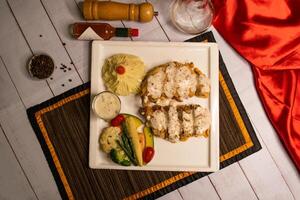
(106, 105)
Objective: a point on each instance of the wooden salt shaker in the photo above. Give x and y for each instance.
(109, 10)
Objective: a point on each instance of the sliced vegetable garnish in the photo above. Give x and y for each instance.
(127, 153)
(128, 141)
(117, 120)
(148, 154)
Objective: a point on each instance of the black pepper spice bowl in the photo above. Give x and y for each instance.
(41, 66)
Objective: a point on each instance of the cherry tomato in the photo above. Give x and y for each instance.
(117, 120)
(120, 69)
(148, 154)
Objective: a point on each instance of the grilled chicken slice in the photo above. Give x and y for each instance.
(174, 127)
(157, 119)
(187, 121)
(202, 120)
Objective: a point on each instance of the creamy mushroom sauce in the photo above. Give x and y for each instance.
(155, 84)
(188, 123)
(169, 87)
(185, 82)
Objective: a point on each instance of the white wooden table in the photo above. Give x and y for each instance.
(33, 26)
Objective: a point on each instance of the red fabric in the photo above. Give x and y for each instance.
(267, 34)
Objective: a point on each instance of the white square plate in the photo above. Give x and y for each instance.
(195, 154)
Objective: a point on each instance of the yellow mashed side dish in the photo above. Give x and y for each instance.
(123, 74)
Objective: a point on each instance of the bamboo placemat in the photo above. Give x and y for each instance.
(62, 127)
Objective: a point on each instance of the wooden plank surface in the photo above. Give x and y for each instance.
(175, 195)
(13, 181)
(268, 174)
(231, 183)
(202, 189)
(36, 24)
(20, 135)
(15, 55)
(164, 7)
(21, 92)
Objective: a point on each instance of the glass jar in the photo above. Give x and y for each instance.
(192, 16)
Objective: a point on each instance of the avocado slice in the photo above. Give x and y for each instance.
(132, 124)
(138, 120)
(149, 140)
(142, 140)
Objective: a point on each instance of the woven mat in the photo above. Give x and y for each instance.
(62, 127)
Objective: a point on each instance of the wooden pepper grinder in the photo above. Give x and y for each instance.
(109, 10)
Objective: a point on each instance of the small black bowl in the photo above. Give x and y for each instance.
(41, 66)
